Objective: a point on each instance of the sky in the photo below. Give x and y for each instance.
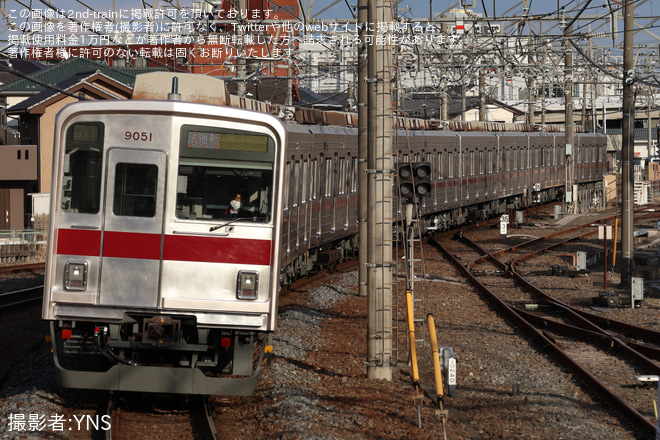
(409, 9)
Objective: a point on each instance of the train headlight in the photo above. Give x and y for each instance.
(75, 275)
(247, 285)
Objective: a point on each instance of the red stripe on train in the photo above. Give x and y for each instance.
(78, 242)
(133, 245)
(217, 250)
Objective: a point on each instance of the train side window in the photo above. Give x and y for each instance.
(82, 168)
(536, 157)
(315, 179)
(329, 178)
(354, 174)
(450, 165)
(441, 167)
(286, 188)
(135, 190)
(305, 180)
(343, 175)
(295, 185)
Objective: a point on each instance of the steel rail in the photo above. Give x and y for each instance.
(208, 417)
(640, 421)
(19, 297)
(22, 267)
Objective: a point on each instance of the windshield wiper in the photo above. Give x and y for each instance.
(254, 219)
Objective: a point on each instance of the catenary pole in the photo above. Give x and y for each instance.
(379, 175)
(363, 131)
(627, 147)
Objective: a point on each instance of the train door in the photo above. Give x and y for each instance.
(304, 202)
(132, 233)
(314, 221)
(286, 217)
(296, 207)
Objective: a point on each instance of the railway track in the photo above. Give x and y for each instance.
(23, 297)
(595, 348)
(22, 268)
(130, 416)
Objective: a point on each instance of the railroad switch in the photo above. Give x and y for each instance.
(609, 299)
(488, 272)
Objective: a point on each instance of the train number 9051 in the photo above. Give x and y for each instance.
(143, 136)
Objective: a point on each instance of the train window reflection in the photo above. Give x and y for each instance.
(205, 189)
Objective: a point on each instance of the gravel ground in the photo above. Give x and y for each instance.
(316, 387)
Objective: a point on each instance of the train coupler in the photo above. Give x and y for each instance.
(161, 331)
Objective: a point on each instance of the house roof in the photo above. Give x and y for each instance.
(96, 85)
(430, 105)
(63, 70)
(316, 100)
(26, 67)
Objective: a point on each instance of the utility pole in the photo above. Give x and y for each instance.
(482, 95)
(531, 117)
(241, 65)
(568, 133)
(627, 147)
(530, 106)
(363, 147)
(380, 201)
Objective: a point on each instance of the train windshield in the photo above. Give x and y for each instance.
(224, 174)
(82, 168)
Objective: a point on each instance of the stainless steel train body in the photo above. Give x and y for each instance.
(151, 287)
(474, 175)
(147, 266)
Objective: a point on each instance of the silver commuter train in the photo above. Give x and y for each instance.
(152, 284)
(474, 175)
(146, 264)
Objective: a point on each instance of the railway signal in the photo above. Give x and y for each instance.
(414, 179)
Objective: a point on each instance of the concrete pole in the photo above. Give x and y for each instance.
(363, 148)
(594, 124)
(482, 95)
(568, 134)
(543, 97)
(241, 66)
(445, 102)
(627, 148)
(463, 101)
(531, 119)
(583, 114)
(648, 122)
(379, 176)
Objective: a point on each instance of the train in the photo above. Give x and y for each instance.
(174, 224)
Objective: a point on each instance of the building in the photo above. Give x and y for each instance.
(26, 168)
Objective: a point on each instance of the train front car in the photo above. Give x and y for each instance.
(157, 280)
